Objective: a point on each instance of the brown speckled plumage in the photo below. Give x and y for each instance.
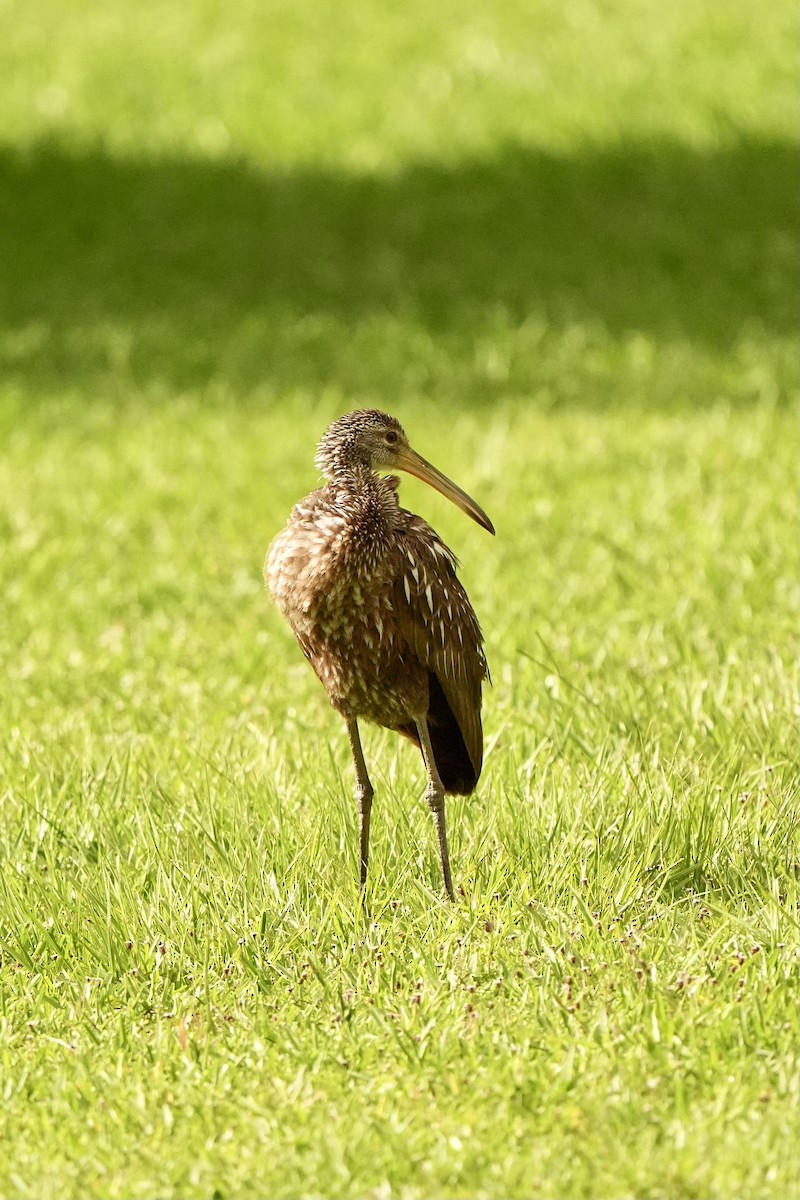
(372, 597)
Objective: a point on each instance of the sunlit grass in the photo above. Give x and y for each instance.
(609, 1009)
(560, 245)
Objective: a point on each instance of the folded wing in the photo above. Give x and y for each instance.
(437, 621)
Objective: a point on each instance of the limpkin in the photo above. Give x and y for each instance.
(372, 597)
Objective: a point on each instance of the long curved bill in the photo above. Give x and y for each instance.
(408, 460)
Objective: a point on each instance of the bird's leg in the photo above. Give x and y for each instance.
(364, 794)
(435, 797)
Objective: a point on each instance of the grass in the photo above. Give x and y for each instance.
(560, 244)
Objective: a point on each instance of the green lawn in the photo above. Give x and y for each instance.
(559, 242)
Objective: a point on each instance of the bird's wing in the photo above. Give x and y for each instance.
(436, 619)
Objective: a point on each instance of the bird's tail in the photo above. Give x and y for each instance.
(457, 771)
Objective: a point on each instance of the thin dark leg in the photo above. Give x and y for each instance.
(435, 797)
(364, 794)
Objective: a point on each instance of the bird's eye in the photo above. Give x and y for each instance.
(391, 437)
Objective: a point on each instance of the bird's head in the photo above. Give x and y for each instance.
(375, 441)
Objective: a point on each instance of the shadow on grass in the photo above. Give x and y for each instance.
(185, 271)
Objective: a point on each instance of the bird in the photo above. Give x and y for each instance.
(371, 594)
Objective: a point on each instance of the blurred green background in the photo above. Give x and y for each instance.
(590, 204)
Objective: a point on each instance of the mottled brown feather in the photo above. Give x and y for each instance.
(439, 625)
(372, 596)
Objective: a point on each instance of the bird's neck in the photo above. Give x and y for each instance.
(358, 480)
(367, 499)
